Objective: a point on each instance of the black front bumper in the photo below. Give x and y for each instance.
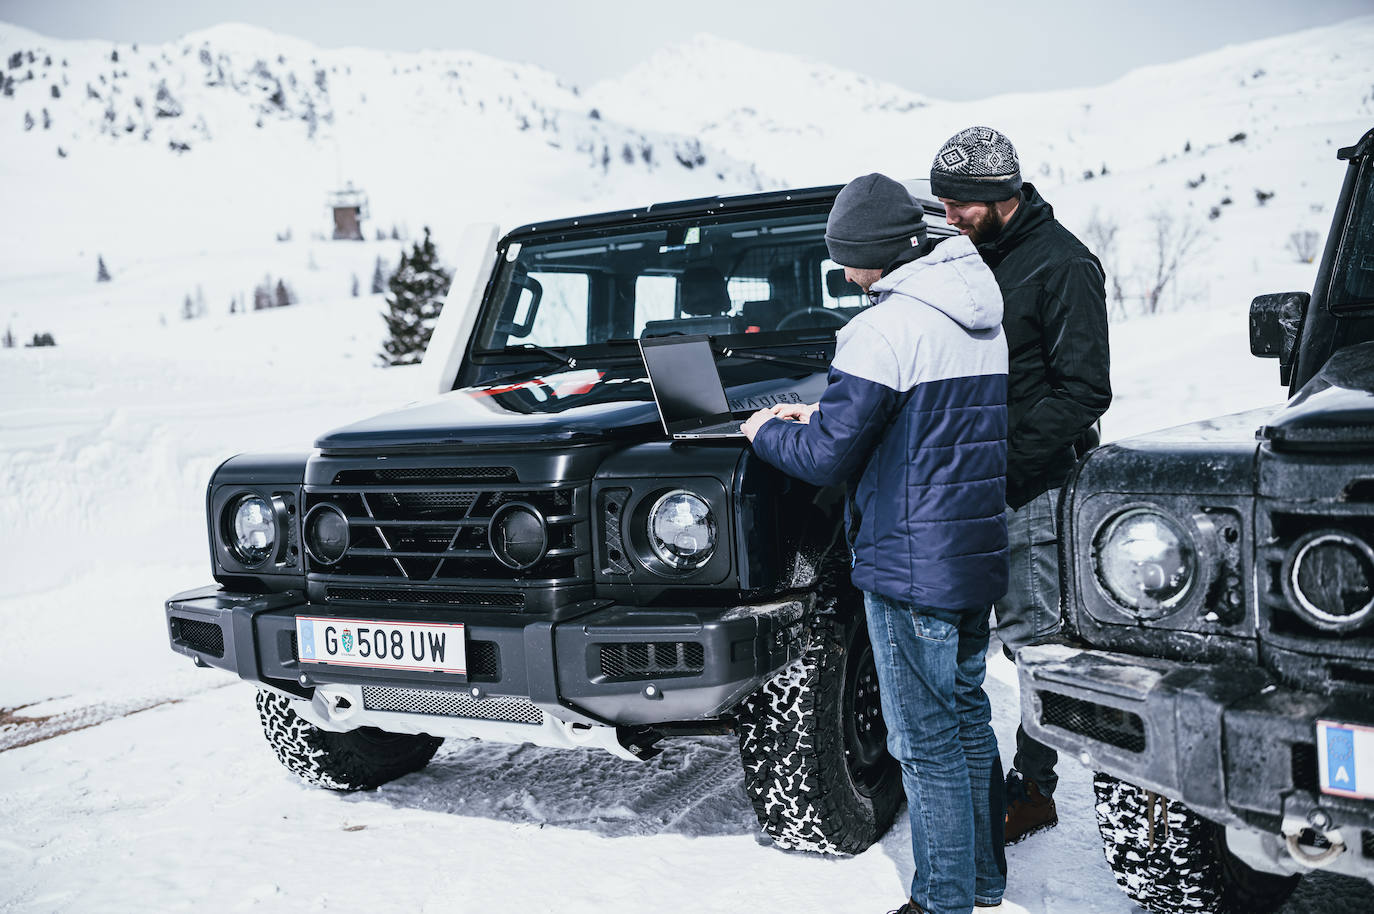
(1224, 739)
(611, 664)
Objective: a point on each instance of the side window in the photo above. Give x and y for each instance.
(562, 309)
(851, 295)
(654, 300)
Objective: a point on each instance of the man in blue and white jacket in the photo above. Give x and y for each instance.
(914, 419)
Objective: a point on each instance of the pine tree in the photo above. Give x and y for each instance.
(417, 295)
(102, 273)
(188, 309)
(283, 296)
(8, 339)
(378, 278)
(262, 294)
(354, 288)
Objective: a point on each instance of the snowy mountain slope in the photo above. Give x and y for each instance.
(813, 124)
(229, 135)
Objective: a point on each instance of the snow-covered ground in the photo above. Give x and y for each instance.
(149, 786)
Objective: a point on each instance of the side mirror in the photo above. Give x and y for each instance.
(1275, 327)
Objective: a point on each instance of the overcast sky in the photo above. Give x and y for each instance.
(949, 50)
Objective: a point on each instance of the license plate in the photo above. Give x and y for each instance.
(433, 647)
(1345, 759)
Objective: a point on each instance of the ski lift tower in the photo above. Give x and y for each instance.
(349, 207)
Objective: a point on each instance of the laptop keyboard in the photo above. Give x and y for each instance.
(724, 428)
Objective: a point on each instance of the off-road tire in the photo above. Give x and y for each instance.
(361, 759)
(792, 740)
(1189, 868)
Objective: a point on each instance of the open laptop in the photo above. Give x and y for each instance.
(687, 388)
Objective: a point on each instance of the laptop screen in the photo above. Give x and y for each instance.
(685, 381)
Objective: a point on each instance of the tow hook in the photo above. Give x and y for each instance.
(1319, 821)
(336, 703)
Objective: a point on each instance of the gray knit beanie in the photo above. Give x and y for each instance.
(976, 165)
(874, 220)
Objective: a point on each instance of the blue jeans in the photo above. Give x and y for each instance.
(931, 664)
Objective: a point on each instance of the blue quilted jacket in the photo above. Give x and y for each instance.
(914, 418)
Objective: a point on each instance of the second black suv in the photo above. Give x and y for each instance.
(1219, 601)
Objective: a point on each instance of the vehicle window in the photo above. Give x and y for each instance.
(654, 300)
(754, 277)
(561, 319)
(1353, 280)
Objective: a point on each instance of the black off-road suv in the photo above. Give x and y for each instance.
(527, 557)
(1218, 670)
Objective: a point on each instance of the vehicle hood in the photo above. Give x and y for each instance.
(1332, 411)
(1213, 456)
(582, 406)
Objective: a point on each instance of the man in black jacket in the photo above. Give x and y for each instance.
(1055, 321)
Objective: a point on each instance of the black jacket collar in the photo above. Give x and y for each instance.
(1030, 215)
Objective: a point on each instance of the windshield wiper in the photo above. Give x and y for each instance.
(561, 358)
(809, 362)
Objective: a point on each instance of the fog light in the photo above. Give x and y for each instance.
(1329, 578)
(326, 534)
(518, 536)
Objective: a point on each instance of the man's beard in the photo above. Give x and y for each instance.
(988, 227)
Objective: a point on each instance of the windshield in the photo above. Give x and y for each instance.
(750, 281)
(1352, 287)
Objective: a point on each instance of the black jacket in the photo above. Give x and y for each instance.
(1055, 320)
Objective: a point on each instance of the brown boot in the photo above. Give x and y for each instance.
(1028, 810)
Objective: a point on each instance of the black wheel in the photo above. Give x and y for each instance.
(813, 743)
(361, 759)
(1188, 867)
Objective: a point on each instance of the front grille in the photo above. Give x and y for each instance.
(507, 600)
(1098, 722)
(651, 660)
(205, 637)
(408, 527)
(451, 704)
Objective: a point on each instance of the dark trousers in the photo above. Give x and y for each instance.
(1029, 613)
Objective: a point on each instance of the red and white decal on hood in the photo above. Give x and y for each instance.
(564, 384)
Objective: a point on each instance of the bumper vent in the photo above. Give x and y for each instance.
(651, 660)
(451, 704)
(204, 637)
(1097, 722)
(334, 594)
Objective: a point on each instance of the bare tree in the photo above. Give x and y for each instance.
(1101, 232)
(1303, 244)
(1174, 243)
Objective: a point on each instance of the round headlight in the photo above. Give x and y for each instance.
(326, 533)
(1329, 578)
(682, 530)
(252, 529)
(1145, 560)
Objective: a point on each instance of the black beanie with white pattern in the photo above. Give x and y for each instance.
(976, 165)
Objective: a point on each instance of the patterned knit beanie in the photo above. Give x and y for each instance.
(976, 165)
(873, 222)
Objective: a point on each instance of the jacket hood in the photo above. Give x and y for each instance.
(952, 279)
(1032, 213)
